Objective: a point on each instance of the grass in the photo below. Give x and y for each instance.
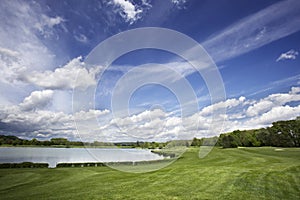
(245, 173)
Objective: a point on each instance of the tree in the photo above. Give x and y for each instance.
(286, 133)
(263, 136)
(59, 141)
(228, 141)
(196, 142)
(34, 141)
(280, 134)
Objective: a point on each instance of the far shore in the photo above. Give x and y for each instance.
(71, 146)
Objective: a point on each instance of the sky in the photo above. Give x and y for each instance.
(46, 81)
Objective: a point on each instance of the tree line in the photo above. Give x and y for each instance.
(63, 142)
(280, 134)
(15, 141)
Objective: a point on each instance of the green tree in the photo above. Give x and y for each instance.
(196, 142)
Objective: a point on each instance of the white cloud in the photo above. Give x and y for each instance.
(199, 124)
(90, 114)
(272, 101)
(228, 104)
(295, 90)
(30, 123)
(81, 38)
(65, 77)
(37, 99)
(259, 108)
(270, 24)
(145, 125)
(274, 114)
(289, 55)
(45, 24)
(129, 11)
(7, 52)
(50, 22)
(147, 3)
(22, 50)
(179, 3)
(152, 125)
(20, 34)
(11, 65)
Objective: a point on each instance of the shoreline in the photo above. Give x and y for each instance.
(68, 147)
(79, 164)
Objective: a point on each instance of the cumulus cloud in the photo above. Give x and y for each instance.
(144, 125)
(30, 124)
(289, 55)
(228, 104)
(90, 114)
(65, 77)
(272, 101)
(128, 10)
(274, 114)
(47, 124)
(295, 90)
(131, 11)
(37, 99)
(151, 125)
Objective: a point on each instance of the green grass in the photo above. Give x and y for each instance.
(247, 173)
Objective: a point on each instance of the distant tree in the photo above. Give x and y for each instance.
(34, 141)
(209, 141)
(196, 142)
(46, 143)
(59, 141)
(229, 140)
(145, 145)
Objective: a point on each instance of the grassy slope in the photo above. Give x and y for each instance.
(248, 173)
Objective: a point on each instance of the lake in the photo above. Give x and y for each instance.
(53, 156)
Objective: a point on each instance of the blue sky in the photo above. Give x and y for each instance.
(43, 46)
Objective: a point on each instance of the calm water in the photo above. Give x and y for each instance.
(73, 155)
